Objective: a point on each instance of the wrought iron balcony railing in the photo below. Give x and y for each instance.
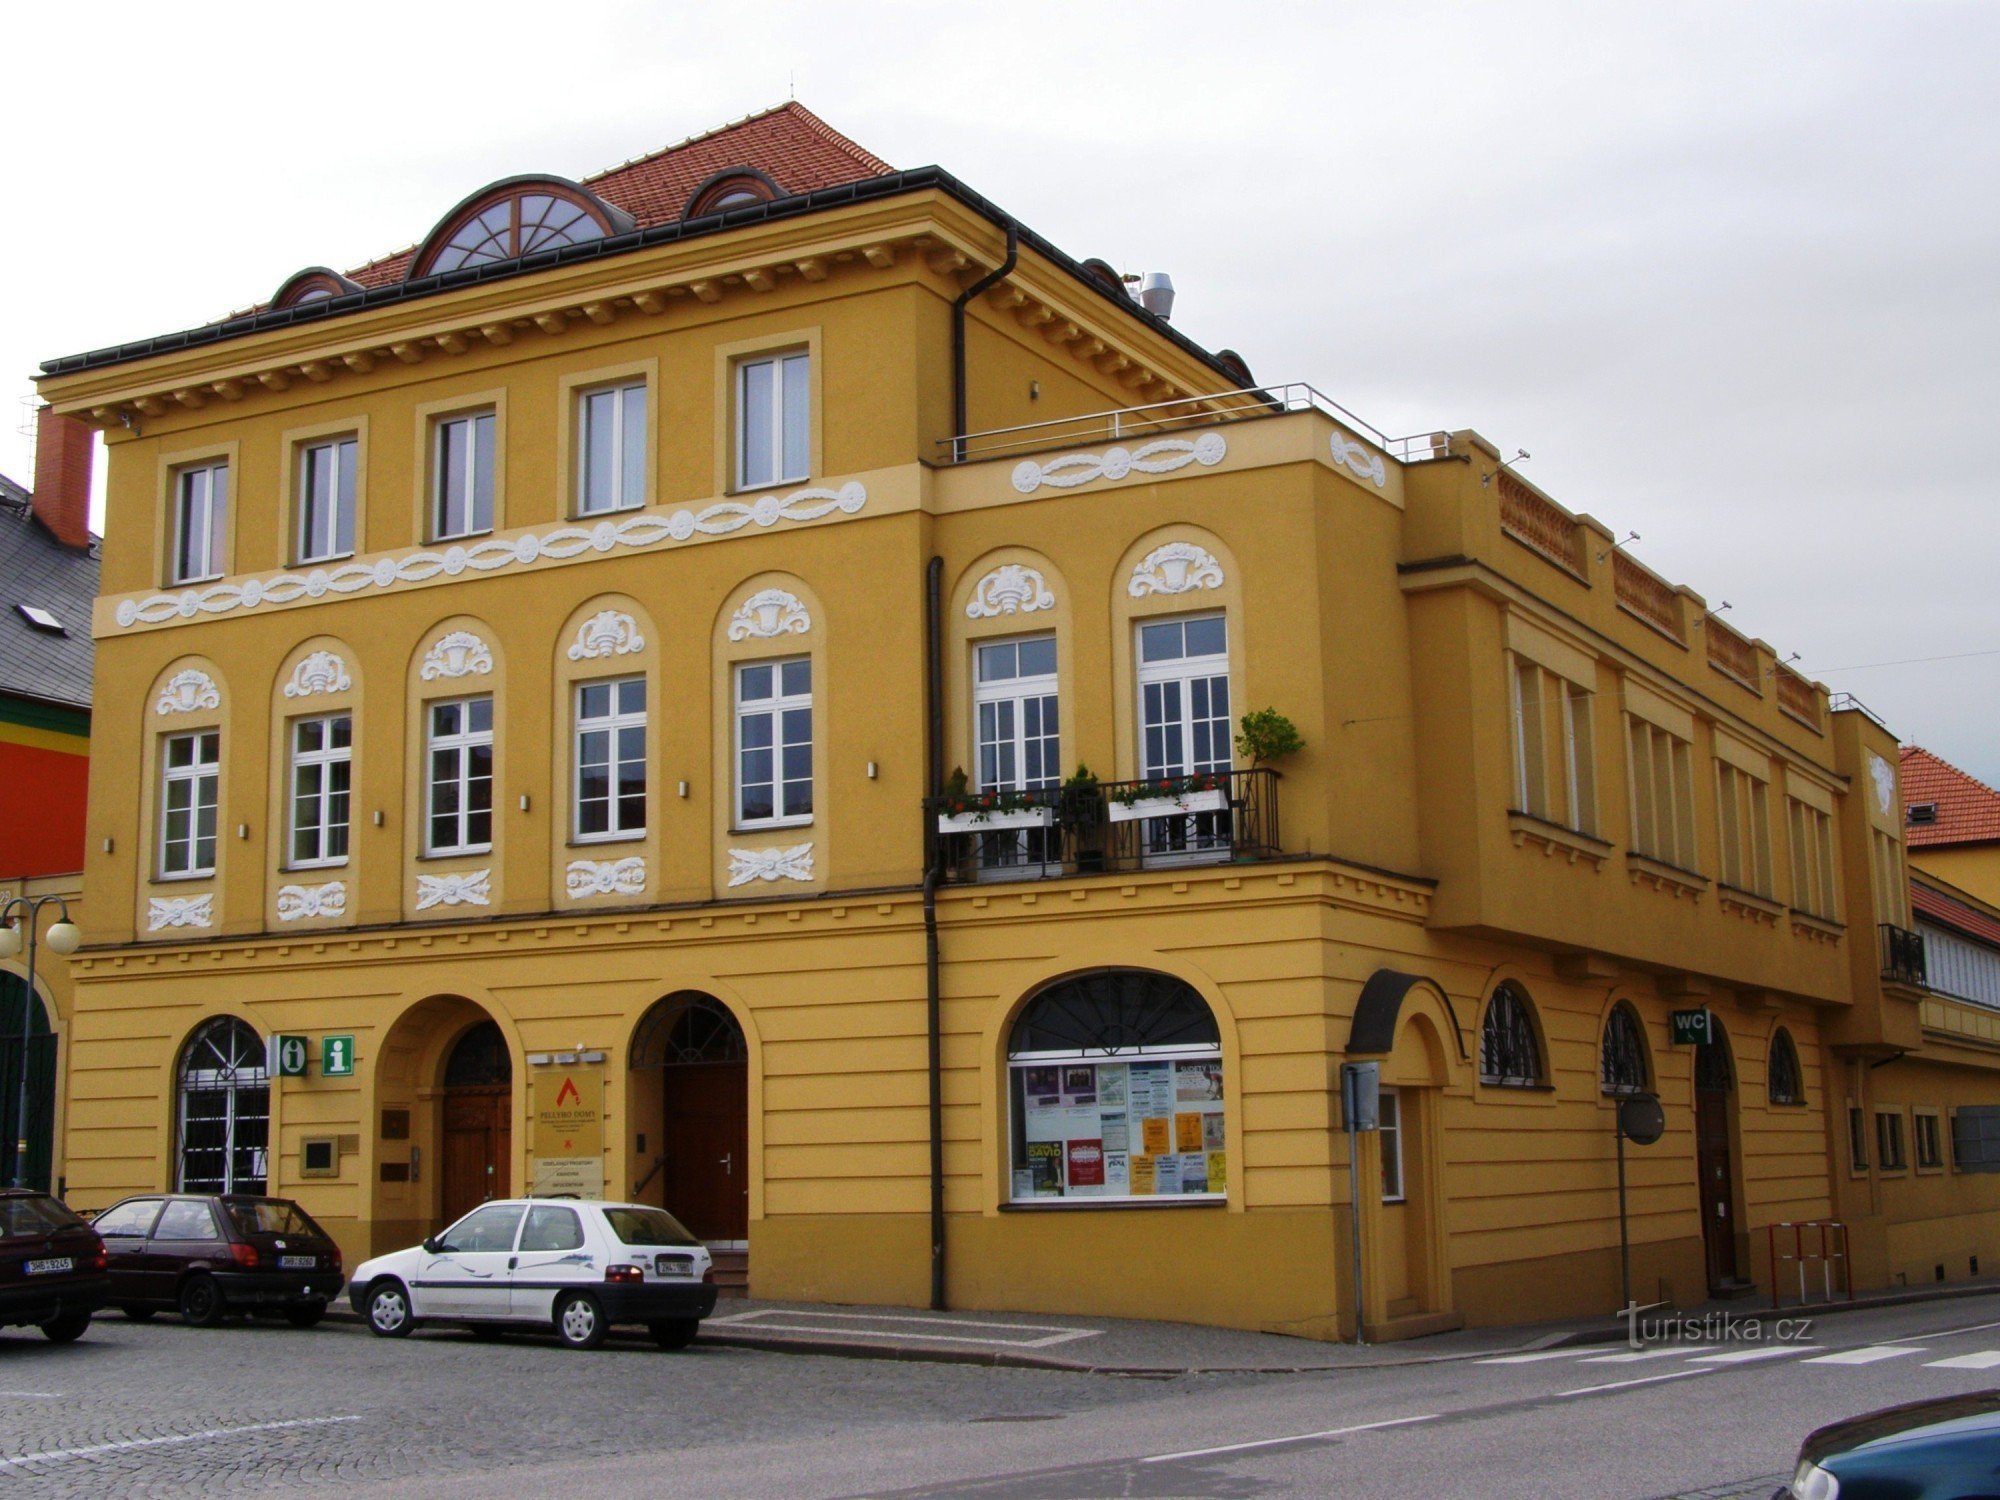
(1105, 826)
(1903, 960)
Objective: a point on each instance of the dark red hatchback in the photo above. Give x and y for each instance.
(51, 1265)
(208, 1255)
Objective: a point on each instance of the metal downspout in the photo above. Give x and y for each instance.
(958, 403)
(933, 873)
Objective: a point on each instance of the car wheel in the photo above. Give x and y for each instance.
(66, 1328)
(580, 1321)
(674, 1333)
(201, 1302)
(138, 1314)
(305, 1314)
(389, 1309)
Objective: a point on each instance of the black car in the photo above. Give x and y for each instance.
(51, 1266)
(1945, 1449)
(208, 1255)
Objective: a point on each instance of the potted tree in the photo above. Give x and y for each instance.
(1266, 735)
(1083, 816)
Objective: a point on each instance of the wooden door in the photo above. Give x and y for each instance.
(1718, 1196)
(706, 1142)
(477, 1147)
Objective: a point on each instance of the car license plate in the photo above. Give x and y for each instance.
(297, 1262)
(675, 1265)
(51, 1267)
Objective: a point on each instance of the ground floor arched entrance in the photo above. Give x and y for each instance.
(691, 1116)
(27, 1048)
(1714, 1090)
(444, 1119)
(476, 1149)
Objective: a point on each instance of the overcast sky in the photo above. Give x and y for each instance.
(1728, 272)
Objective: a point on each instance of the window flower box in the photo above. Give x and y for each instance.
(1171, 804)
(994, 819)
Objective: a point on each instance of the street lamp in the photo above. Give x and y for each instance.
(64, 937)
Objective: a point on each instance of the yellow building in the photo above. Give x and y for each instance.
(542, 658)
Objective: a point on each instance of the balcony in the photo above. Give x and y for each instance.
(1903, 956)
(1105, 827)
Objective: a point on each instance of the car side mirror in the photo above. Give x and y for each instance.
(432, 1245)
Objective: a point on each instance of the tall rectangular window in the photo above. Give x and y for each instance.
(774, 743)
(1857, 1139)
(1889, 1141)
(201, 522)
(611, 759)
(1812, 858)
(1743, 802)
(1390, 1138)
(326, 499)
(462, 476)
(1184, 727)
(773, 420)
(460, 792)
(1019, 729)
(322, 761)
(1555, 764)
(190, 778)
(1662, 775)
(611, 449)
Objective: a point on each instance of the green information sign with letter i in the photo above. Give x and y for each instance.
(336, 1057)
(1693, 1027)
(289, 1055)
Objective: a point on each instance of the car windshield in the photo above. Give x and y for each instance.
(35, 1216)
(647, 1226)
(270, 1216)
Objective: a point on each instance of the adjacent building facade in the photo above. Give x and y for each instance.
(535, 671)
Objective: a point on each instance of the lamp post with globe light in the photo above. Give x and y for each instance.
(64, 937)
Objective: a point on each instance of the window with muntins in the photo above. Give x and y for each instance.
(1743, 802)
(1786, 1083)
(1115, 1081)
(322, 763)
(223, 1110)
(611, 449)
(1510, 1054)
(190, 779)
(460, 792)
(1621, 1063)
(774, 743)
(1812, 859)
(1184, 724)
(773, 420)
(1662, 794)
(611, 759)
(518, 224)
(1555, 773)
(1019, 730)
(1889, 1141)
(201, 522)
(462, 476)
(1390, 1136)
(326, 499)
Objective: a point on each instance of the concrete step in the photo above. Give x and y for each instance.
(732, 1272)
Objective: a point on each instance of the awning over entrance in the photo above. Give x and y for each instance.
(1381, 1005)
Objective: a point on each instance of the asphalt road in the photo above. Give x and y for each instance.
(158, 1409)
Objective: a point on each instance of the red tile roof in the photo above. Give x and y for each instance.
(790, 144)
(1968, 810)
(1958, 916)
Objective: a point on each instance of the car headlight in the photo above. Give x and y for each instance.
(1814, 1483)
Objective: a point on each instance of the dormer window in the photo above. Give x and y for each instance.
(42, 619)
(313, 284)
(734, 188)
(1923, 812)
(514, 218)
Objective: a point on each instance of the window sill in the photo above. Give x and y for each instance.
(1824, 929)
(1930, 1171)
(185, 878)
(1059, 1205)
(605, 840)
(582, 516)
(770, 484)
(319, 869)
(1748, 904)
(1557, 839)
(459, 536)
(320, 562)
(1661, 876)
(181, 583)
(471, 852)
(775, 825)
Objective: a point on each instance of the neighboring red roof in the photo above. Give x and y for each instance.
(1968, 810)
(791, 145)
(1946, 912)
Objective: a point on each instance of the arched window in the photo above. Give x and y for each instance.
(1712, 1072)
(687, 1030)
(224, 1109)
(1117, 1089)
(728, 189)
(479, 1059)
(514, 218)
(1621, 1063)
(1510, 1054)
(313, 284)
(1787, 1083)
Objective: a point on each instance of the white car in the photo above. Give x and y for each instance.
(577, 1265)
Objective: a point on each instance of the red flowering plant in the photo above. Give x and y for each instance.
(960, 798)
(1170, 787)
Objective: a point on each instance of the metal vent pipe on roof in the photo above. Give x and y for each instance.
(1156, 295)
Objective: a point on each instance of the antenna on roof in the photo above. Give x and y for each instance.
(1630, 536)
(1711, 614)
(1520, 456)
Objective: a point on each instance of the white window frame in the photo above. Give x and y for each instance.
(346, 451)
(1017, 691)
(464, 741)
(1389, 1137)
(621, 483)
(445, 433)
(323, 826)
(198, 775)
(1018, 1064)
(1186, 671)
(786, 366)
(609, 724)
(774, 708)
(201, 513)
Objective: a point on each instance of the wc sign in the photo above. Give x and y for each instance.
(1693, 1028)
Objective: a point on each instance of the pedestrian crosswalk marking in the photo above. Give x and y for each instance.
(1985, 1359)
(1744, 1356)
(1529, 1359)
(1867, 1356)
(1633, 1357)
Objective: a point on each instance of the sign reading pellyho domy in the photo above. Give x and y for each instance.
(566, 1106)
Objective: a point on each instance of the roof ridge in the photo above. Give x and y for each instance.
(1957, 771)
(710, 134)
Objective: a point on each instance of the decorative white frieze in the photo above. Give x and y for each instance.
(1010, 589)
(530, 549)
(1884, 776)
(1161, 456)
(320, 672)
(746, 865)
(163, 912)
(1358, 458)
(188, 692)
(607, 877)
(1176, 568)
(609, 632)
(296, 903)
(767, 613)
(458, 654)
(469, 889)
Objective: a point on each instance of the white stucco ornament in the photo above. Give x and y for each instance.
(1358, 458)
(296, 903)
(1008, 590)
(457, 654)
(188, 692)
(1884, 776)
(320, 672)
(609, 632)
(746, 865)
(1176, 568)
(470, 889)
(1161, 456)
(607, 877)
(769, 612)
(163, 912)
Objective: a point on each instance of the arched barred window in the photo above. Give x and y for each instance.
(223, 1110)
(1786, 1082)
(1621, 1063)
(1510, 1053)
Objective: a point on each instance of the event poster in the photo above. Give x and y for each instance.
(1120, 1130)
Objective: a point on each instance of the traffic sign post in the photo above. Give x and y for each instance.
(288, 1057)
(336, 1057)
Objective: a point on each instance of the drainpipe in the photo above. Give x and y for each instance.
(991, 279)
(933, 873)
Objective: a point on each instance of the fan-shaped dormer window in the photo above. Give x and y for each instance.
(515, 218)
(730, 189)
(313, 284)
